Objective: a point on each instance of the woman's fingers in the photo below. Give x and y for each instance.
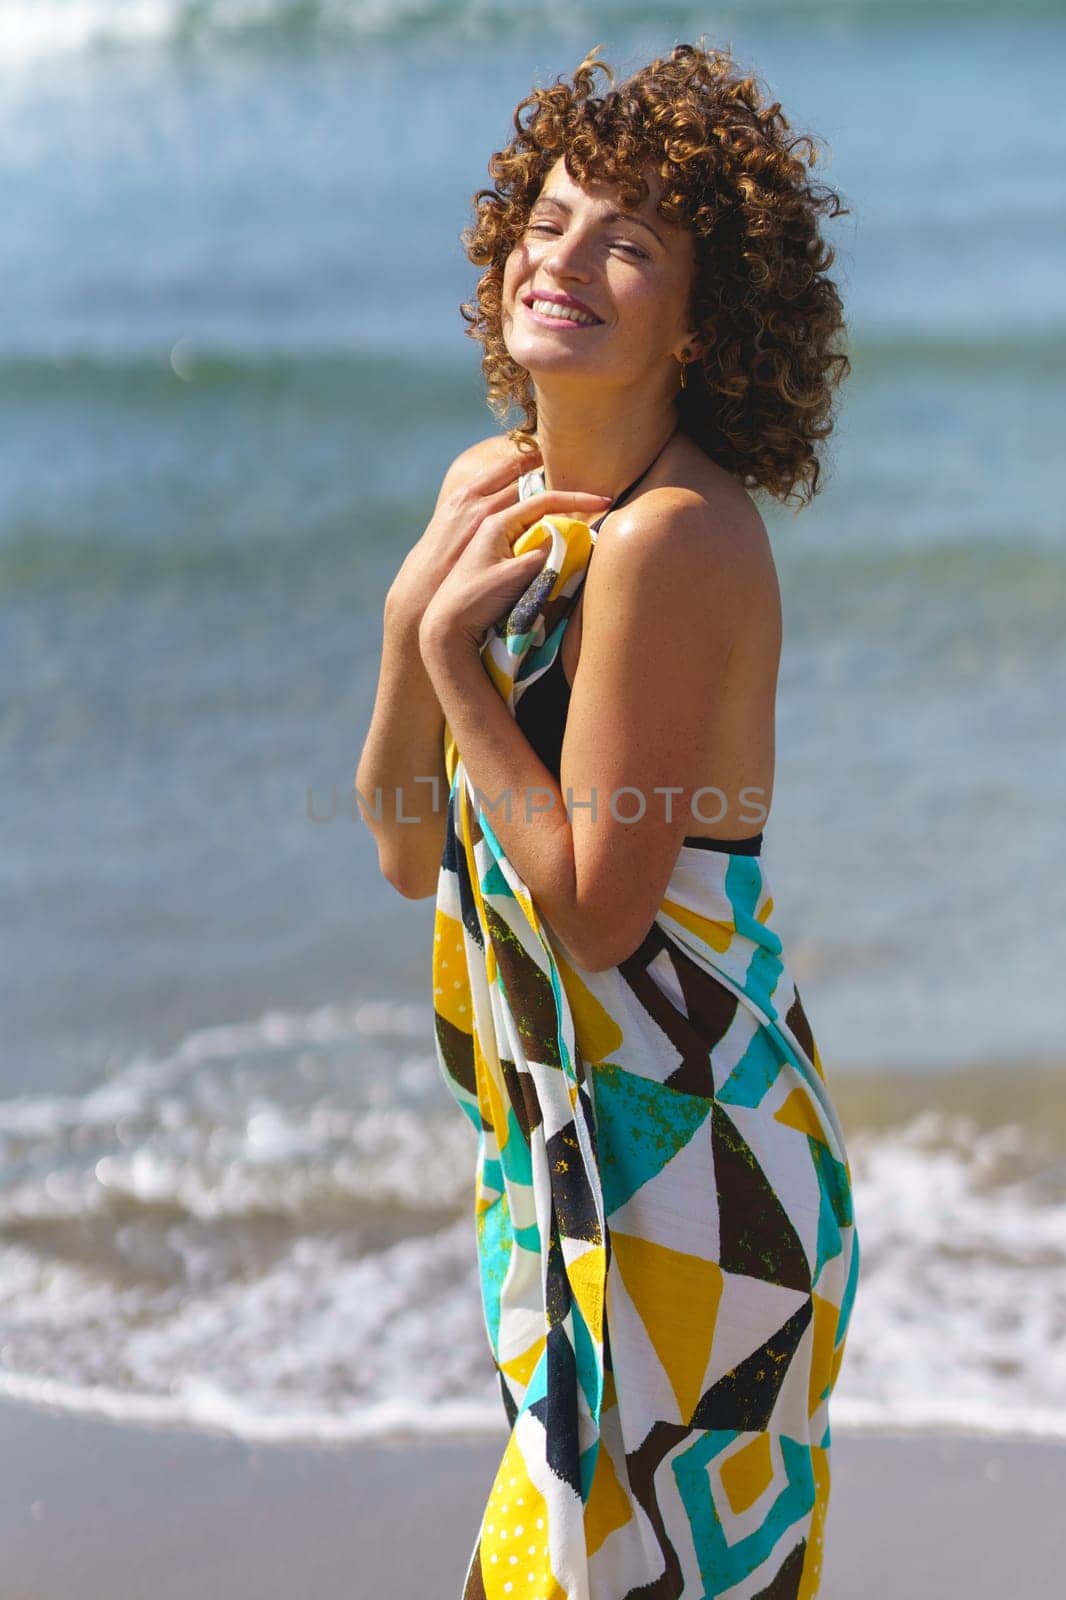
(503, 468)
(515, 519)
(504, 499)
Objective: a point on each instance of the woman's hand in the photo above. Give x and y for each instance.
(480, 481)
(488, 578)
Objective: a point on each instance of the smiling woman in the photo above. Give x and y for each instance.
(641, 314)
(665, 1231)
(769, 351)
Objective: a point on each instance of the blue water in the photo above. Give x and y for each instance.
(232, 372)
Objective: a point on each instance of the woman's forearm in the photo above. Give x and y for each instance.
(401, 785)
(520, 798)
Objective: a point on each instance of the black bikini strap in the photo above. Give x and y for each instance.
(628, 490)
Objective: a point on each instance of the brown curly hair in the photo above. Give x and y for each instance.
(768, 316)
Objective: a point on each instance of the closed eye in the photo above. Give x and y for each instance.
(630, 249)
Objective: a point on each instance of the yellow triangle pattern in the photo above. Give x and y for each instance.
(515, 1564)
(451, 984)
(608, 1505)
(569, 542)
(571, 536)
(748, 1473)
(676, 1297)
(522, 1367)
(598, 1034)
(488, 1094)
(798, 1112)
(586, 1276)
(717, 934)
(528, 907)
(824, 1324)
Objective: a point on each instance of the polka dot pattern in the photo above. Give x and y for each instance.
(515, 1557)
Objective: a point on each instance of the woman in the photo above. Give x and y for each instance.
(663, 1204)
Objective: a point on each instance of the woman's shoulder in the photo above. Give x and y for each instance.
(686, 568)
(485, 455)
(698, 522)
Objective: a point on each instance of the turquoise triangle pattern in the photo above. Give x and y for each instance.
(753, 1075)
(494, 881)
(494, 1258)
(834, 1205)
(723, 1564)
(515, 1158)
(645, 1124)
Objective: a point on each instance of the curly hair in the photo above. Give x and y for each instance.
(767, 315)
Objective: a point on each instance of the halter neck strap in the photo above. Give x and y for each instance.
(628, 490)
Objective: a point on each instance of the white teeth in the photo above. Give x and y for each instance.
(549, 308)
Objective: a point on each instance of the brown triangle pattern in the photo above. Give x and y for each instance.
(786, 1586)
(529, 993)
(744, 1399)
(523, 1096)
(642, 1465)
(796, 1018)
(693, 1073)
(457, 1052)
(758, 1238)
(574, 1201)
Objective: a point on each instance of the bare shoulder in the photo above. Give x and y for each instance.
(700, 534)
(487, 458)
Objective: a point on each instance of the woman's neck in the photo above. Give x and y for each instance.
(599, 449)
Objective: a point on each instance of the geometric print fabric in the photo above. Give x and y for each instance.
(663, 1211)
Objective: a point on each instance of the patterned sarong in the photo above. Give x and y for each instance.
(665, 1234)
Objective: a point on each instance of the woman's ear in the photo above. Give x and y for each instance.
(692, 348)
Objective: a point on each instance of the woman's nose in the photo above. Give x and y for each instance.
(569, 256)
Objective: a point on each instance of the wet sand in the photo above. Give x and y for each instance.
(108, 1511)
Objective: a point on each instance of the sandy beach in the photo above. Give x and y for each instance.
(104, 1511)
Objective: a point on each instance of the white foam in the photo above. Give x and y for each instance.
(271, 1232)
(960, 1317)
(32, 29)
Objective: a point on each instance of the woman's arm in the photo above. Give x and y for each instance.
(401, 772)
(401, 781)
(401, 769)
(672, 589)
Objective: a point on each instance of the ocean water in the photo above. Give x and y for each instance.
(233, 1191)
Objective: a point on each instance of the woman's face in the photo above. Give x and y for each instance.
(631, 271)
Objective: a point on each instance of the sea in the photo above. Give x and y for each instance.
(235, 1193)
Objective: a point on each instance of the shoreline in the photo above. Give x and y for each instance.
(98, 1508)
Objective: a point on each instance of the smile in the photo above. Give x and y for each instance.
(560, 316)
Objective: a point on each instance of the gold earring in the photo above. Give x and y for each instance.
(684, 367)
